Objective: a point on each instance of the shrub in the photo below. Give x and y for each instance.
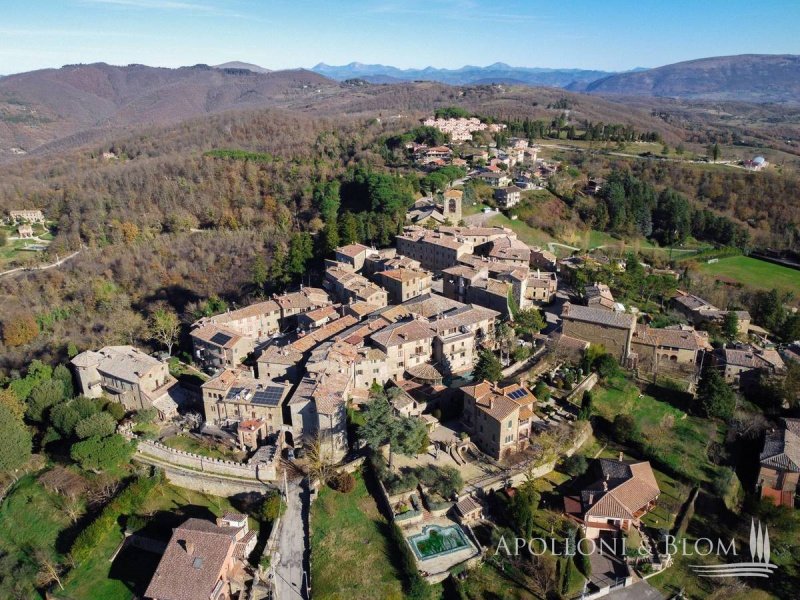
(343, 482)
(575, 465)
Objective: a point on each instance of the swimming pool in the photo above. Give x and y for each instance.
(435, 540)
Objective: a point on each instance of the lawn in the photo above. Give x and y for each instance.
(754, 273)
(526, 233)
(676, 441)
(209, 448)
(32, 520)
(351, 548)
(128, 576)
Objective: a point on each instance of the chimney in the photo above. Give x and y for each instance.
(620, 456)
(591, 497)
(605, 486)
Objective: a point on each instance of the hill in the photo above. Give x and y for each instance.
(748, 77)
(39, 107)
(467, 75)
(236, 64)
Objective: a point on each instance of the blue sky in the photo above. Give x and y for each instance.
(599, 34)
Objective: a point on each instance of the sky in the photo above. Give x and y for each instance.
(610, 35)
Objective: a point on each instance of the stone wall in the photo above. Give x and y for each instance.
(195, 461)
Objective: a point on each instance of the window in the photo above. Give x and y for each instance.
(509, 424)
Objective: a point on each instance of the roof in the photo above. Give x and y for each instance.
(218, 335)
(280, 355)
(352, 250)
(424, 371)
(253, 310)
(193, 561)
(467, 505)
(429, 305)
(403, 332)
(499, 402)
(505, 191)
(403, 274)
(306, 343)
(752, 358)
(624, 490)
(599, 316)
(121, 362)
(362, 308)
(453, 193)
(464, 316)
(782, 447)
(684, 339)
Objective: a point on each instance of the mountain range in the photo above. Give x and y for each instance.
(467, 75)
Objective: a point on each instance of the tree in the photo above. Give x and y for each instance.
(271, 507)
(382, 426)
(716, 397)
(64, 375)
(15, 440)
(102, 454)
(730, 325)
(575, 465)
(301, 250)
(488, 367)
(99, 424)
(43, 397)
(505, 338)
(259, 274)
(10, 400)
(625, 430)
(586, 406)
(529, 321)
(165, 326)
(320, 460)
(20, 330)
(714, 152)
(522, 509)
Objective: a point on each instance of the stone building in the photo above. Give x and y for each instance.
(612, 330)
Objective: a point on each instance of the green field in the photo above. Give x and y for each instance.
(754, 273)
(679, 441)
(351, 548)
(529, 235)
(203, 448)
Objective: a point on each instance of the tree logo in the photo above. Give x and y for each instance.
(759, 566)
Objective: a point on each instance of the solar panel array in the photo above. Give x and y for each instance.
(268, 397)
(516, 394)
(220, 338)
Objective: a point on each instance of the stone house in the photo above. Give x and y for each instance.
(742, 364)
(218, 346)
(498, 419)
(673, 350)
(353, 255)
(404, 284)
(434, 250)
(507, 197)
(406, 344)
(613, 330)
(234, 395)
(130, 377)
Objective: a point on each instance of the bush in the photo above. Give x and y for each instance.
(343, 482)
(575, 465)
(98, 425)
(625, 430)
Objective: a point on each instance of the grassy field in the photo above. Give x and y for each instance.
(529, 235)
(32, 520)
(203, 448)
(754, 273)
(128, 576)
(679, 441)
(350, 548)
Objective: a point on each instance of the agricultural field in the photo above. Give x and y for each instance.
(754, 273)
(350, 548)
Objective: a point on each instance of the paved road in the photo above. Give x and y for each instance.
(292, 557)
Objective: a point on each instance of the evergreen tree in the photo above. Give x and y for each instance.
(716, 397)
(488, 367)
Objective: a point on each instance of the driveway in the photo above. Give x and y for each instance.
(641, 590)
(291, 562)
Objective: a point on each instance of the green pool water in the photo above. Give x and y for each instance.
(437, 541)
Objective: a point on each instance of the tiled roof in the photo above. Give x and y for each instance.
(207, 333)
(782, 447)
(467, 505)
(404, 274)
(306, 343)
(626, 489)
(123, 362)
(403, 332)
(599, 316)
(193, 561)
(253, 310)
(464, 316)
(752, 358)
(429, 305)
(671, 338)
(352, 250)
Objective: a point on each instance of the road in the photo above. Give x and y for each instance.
(292, 549)
(43, 267)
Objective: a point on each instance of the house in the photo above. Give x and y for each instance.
(234, 395)
(129, 376)
(31, 215)
(477, 235)
(508, 250)
(613, 330)
(403, 284)
(542, 259)
(406, 344)
(279, 363)
(673, 350)
(317, 317)
(743, 364)
(257, 321)
(25, 231)
(756, 164)
(252, 433)
(218, 346)
(350, 286)
(779, 473)
(353, 255)
(495, 179)
(599, 295)
(468, 510)
(457, 335)
(498, 419)
(541, 288)
(470, 284)
(618, 499)
(204, 560)
(507, 197)
(434, 250)
(699, 311)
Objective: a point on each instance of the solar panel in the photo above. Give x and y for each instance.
(268, 397)
(220, 339)
(517, 394)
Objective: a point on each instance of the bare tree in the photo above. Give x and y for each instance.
(320, 460)
(165, 326)
(49, 570)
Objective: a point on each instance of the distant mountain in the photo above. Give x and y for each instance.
(42, 106)
(236, 64)
(747, 77)
(467, 75)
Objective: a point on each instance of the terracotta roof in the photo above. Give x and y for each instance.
(626, 489)
(429, 305)
(253, 310)
(193, 561)
(207, 333)
(402, 333)
(306, 343)
(123, 362)
(684, 339)
(467, 505)
(361, 308)
(751, 357)
(352, 250)
(404, 274)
